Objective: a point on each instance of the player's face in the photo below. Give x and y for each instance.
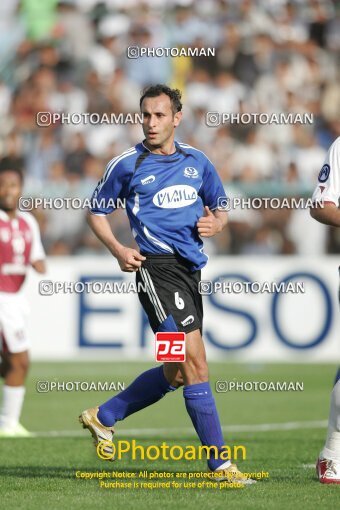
(159, 121)
(10, 190)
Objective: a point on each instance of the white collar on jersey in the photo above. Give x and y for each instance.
(175, 144)
(145, 147)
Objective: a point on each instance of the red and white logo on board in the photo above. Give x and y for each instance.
(170, 346)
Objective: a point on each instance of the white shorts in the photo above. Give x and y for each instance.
(14, 313)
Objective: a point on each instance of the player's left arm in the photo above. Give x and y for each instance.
(212, 193)
(37, 255)
(212, 223)
(39, 266)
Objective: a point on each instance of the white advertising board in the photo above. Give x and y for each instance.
(245, 326)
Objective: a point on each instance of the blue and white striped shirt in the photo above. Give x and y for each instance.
(165, 196)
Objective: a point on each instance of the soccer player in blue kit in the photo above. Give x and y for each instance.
(172, 194)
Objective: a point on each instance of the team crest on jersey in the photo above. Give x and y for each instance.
(190, 172)
(324, 173)
(148, 180)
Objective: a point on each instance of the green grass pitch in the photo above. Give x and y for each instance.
(39, 472)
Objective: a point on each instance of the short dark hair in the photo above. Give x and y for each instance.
(156, 90)
(8, 164)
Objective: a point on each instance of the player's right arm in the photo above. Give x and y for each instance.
(327, 192)
(113, 185)
(329, 214)
(129, 260)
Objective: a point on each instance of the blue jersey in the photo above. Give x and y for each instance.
(164, 195)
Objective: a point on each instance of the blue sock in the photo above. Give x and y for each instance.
(147, 389)
(201, 408)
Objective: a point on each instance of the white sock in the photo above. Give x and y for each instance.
(223, 466)
(332, 446)
(12, 401)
